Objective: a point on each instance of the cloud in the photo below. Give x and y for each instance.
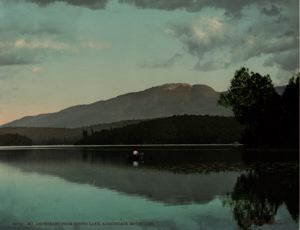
(188, 5)
(203, 38)
(23, 51)
(247, 29)
(53, 45)
(161, 63)
(91, 4)
(273, 11)
(253, 46)
(238, 31)
(43, 44)
(29, 34)
(211, 65)
(37, 69)
(286, 60)
(221, 40)
(96, 45)
(232, 7)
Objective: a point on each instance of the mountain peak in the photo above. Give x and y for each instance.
(174, 86)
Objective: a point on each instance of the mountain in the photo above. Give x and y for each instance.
(160, 101)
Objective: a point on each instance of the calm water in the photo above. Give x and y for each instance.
(212, 187)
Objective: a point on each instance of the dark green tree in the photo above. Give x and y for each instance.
(255, 104)
(14, 139)
(290, 105)
(290, 95)
(248, 95)
(84, 133)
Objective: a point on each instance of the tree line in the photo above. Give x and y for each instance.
(14, 139)
(184, 129)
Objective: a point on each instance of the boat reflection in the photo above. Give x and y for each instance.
(135, 163)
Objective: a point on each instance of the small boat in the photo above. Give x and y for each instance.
(136, 156)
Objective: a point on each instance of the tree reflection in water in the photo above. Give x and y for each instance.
(260, 191)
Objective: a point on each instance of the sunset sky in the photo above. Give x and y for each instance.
(59, 53)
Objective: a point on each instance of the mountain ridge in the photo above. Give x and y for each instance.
(158, 101)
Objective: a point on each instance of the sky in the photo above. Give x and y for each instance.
(59, 53)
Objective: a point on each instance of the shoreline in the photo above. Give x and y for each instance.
(150, 146)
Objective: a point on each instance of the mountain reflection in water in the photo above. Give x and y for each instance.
(239, 193)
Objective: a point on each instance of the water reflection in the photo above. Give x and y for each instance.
(175, 189)
(259, 192)
(167, 181)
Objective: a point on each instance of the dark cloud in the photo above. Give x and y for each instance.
(260, 45)
(218, 42)
(189, 5)
(16, 59)
(237, 47)
(232, 7)
(274, 10)
(92, 4)
(167, 63)
(288, 60)
(204, 40)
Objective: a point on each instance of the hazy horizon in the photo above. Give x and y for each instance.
(59, 53)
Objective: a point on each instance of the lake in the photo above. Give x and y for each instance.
(175, 187)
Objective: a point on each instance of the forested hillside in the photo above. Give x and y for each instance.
(186, 129)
